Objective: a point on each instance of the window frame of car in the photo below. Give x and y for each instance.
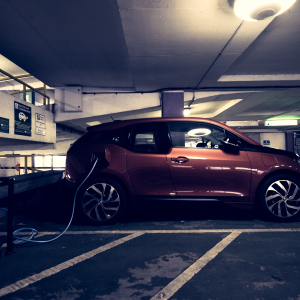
(163, 143)
(227, 133)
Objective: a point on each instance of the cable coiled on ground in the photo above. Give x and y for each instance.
(22, 240)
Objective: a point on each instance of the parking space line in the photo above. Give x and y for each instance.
(164, 231)
(185, 231)
(184, 277)
(69, 263)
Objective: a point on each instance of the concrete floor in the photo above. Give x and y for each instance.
(195, 251)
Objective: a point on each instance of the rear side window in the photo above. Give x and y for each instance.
(145, 142)
(150, 138)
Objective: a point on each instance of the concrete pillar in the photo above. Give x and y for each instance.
(172, 104)
(289, 140)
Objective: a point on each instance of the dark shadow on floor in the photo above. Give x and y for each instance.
(58, 212)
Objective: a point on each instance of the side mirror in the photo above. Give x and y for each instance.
(230, 145)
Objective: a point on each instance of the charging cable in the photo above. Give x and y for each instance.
(22, 240)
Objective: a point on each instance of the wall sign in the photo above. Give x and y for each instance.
(40, 124)
(4, 125)
(22, 119)
(266, 143)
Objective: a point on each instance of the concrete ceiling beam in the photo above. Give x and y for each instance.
(240, 41)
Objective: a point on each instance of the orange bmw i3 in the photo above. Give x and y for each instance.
(178, 159)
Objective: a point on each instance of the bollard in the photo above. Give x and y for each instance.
(10, 213)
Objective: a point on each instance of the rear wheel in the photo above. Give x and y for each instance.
(279, 198)
(101, 201)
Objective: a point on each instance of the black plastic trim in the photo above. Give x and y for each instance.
(269, 150)
(209, 199)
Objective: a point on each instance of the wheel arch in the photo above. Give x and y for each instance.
(274, 173)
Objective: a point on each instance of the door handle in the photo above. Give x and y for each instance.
(179, 159)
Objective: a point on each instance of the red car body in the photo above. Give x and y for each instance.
(229, 173)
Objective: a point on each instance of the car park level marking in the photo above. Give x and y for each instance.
(163, 231)
(69, 263)
(184, 277)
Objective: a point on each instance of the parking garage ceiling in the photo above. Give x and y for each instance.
(155, 45)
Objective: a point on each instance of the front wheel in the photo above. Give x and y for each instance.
(279, 198)
(101, 201)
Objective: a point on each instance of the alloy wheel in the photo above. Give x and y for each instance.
(282, 198)
(101, 201)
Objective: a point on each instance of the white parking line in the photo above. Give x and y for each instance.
(166, 292)
(183, 231)
(69, 263)
(158, 231)
(184, 277)
(165, 231)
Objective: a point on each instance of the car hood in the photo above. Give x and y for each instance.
(271, 150)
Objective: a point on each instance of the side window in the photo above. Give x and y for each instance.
(196, 135)
(149, 138)
(233, 136)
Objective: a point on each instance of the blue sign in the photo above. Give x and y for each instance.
(266, 143)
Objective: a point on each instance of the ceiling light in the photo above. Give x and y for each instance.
(269, 77)
(186, 111)
(256, 10)
(199, 132)
(281, 123)
(93, 123)
(241, 123)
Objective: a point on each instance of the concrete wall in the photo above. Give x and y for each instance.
(91, 102)
(60, 147)
(7, 111)
(277, 139)
(102, 104)
(9, 162)
(253, 135)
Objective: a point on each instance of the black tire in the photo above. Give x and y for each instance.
(101, 201)
(277, 198)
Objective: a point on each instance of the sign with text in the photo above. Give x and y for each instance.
(40, 124)
(22, 119)
(266, 143)
(4, 125)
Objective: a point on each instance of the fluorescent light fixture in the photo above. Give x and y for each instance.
(241, 123)
(281, 122)
(256, 10)
(186, 111)
(93, 123)
(199, 132)
(268, 77)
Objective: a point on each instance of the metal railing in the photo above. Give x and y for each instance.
(46, 99)
(10, 212)
(27, 166)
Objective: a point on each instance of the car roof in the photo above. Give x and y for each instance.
(121, 124)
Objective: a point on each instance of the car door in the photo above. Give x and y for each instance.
(200, 168)
(146, 160)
